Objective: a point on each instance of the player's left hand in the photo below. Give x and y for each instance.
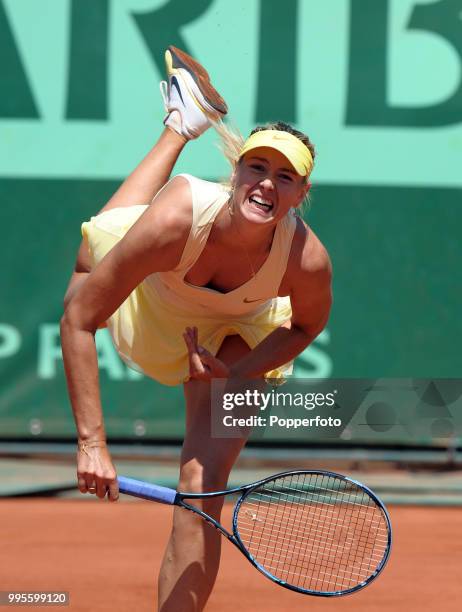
(202, 364)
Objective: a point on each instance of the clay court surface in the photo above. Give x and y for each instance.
(108, 555)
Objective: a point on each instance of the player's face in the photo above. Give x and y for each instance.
(266, 186)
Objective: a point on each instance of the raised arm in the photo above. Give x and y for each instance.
(155, 243)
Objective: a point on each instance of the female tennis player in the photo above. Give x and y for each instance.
(195, 280)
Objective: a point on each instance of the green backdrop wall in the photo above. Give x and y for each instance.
(376, 83)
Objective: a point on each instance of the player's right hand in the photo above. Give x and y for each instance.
(96, 473)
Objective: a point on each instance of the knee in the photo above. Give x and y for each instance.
(194, 478)
(198, 478)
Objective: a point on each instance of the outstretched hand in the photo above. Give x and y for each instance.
(202, 364)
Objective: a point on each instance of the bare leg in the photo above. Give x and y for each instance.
(192, 557)
(151, 174)
(140, 187)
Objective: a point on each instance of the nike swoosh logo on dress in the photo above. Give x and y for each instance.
(247, 301)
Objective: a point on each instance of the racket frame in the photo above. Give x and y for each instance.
(234, 537)
(292, 587)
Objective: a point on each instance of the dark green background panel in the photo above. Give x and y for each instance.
(395, 253)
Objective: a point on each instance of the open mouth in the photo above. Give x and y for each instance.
(261, 203)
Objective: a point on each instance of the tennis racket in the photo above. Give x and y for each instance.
(314, 532)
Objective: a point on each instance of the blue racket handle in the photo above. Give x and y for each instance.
(153, 492)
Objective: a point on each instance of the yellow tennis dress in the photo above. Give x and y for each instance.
(147, 329)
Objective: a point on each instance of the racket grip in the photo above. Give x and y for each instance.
(145, 490)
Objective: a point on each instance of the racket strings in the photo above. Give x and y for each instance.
(341, 546)
(327, 534)
(302, 547)
(317, 532)
(313, 492)
(376, 524)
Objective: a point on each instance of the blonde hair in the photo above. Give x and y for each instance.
(231, 141)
